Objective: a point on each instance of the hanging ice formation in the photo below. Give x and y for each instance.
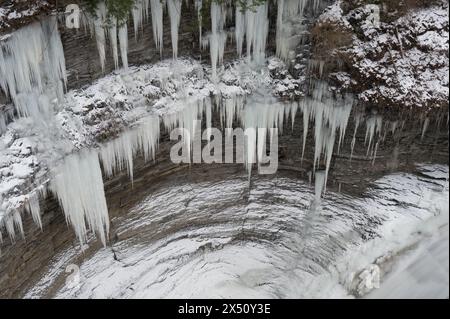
(174, 7)
(157, 23)
(358, 118)
(257, 30)
(104, 28)
(426, 123)
(374, 124)
(113, 41)
(261, 114)
(218, 37)
(78, 185)
(239, 29)
(123, 42)
(10, 223)
(119, 153)
(319, 186)
(100, 33)
(289, 27)
(118, 33)
(198, 6)
(32, 68)
(139, 12)
(330, 115)
(11, 216)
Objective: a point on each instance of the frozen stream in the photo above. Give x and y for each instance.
(220, 239)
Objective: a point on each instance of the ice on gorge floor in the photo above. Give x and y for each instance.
(291, 251)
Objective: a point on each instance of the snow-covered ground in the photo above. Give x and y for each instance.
(204, 240)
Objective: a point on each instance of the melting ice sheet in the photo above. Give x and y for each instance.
(273, 245)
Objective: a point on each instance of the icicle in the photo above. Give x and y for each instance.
(358, 118)
(32, 68)
(330, 115)
(157, 23)
(394, 127)
(100, 35)
(174, 7)
(240, 29)
(232, 108)
(123, 41)
(78, 184)
(425, 127)
(375, 153)
(34, 208)
(316, 5)
(113, 42)
(374, 125)
(257, 30)
(199, 5)
(139, 14)
(319, 186)
(290, 27)
(262, 111)
(119, 153)
(306, 114)
(189, 110)
(316, 66)
(217, 38)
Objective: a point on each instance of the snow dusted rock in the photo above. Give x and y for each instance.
(400, 62)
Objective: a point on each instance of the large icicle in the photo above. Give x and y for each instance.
(174, 7)
(239, 29)
(199, 6)
(78, 184)
(157, 23)
(32, 68)
(100, 34)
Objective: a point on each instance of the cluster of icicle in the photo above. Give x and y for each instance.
(104, 28)
(32, 69)
(78, 181)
